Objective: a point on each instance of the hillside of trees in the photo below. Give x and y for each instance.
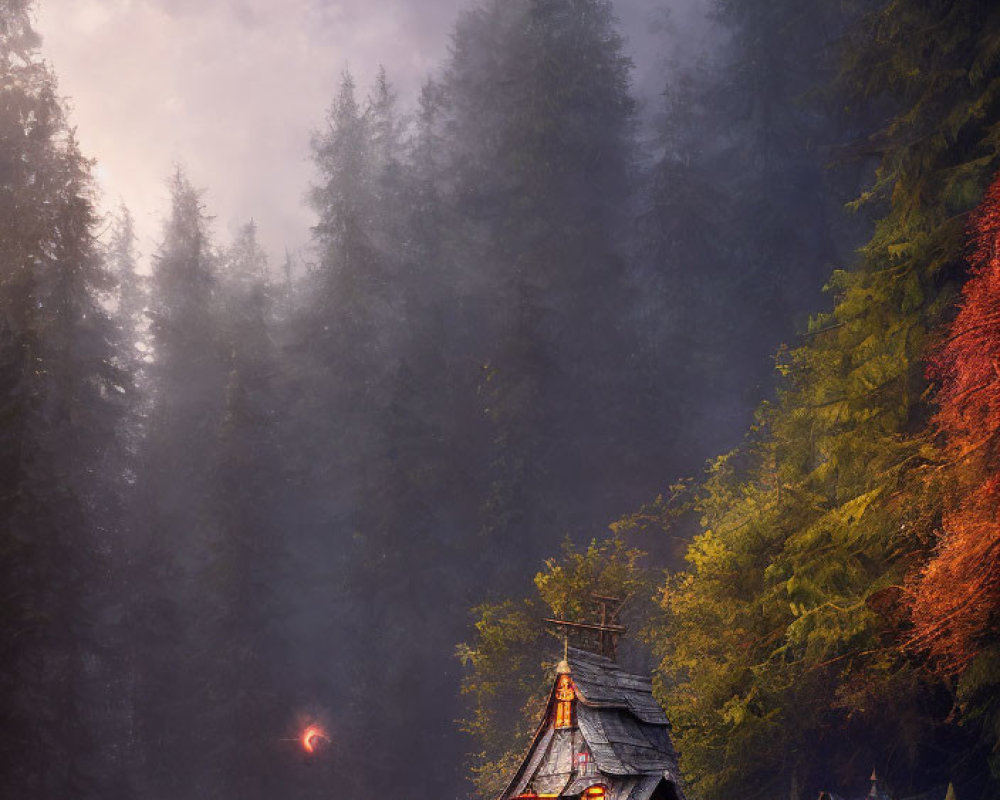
(837, 607)
(735, 356)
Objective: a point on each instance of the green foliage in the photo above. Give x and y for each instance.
(978, 696)
(769, 630)
(781, 649)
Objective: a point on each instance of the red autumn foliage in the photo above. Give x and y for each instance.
(956, 600)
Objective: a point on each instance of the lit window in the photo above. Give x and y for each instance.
(564, 702)
(595, 793)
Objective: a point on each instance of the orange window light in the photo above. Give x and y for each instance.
(564, 702)
(595, 793)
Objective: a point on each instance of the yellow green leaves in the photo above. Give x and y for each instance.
(608, 567)
(783, 614)
(708, 554)
(963, 185)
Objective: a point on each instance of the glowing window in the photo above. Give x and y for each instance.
(564, 702)
(595, 793)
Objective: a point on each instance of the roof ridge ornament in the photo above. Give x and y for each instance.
(562, 668)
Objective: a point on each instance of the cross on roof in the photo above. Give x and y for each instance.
(601, 634)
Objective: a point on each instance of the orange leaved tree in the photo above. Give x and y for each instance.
(956, 602)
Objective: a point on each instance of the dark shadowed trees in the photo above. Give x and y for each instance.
(540, 123)
(176, 529)
(247, 563)
(64, 388)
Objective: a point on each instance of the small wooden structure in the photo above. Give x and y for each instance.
(602, 737)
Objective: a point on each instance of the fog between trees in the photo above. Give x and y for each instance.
(239, 496)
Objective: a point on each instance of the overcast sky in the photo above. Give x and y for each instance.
(231, 90)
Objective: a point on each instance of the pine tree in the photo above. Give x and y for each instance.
(133, 290)
(63, 392)
(540, 123)
(784, 635)
(179, 458)
(247, 562)
(351, 332)
(351, 292)
(743, 207)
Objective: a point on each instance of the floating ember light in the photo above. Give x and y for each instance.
(312, 737)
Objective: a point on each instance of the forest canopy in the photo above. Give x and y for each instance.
(732, 355)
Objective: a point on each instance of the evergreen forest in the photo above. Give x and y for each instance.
(733, 354)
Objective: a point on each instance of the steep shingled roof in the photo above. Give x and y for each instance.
(624, 728)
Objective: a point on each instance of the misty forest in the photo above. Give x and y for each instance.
(732, 353)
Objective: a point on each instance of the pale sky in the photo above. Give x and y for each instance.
(231, 90)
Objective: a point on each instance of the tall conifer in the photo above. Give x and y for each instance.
(63, 389)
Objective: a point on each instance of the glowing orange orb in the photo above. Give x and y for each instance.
(312, 736)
